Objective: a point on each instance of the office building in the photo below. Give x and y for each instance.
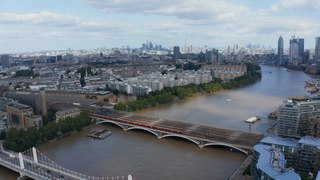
(317, 49)
(21, 116)
(35, 99)
(298, 117)
(301, 49)
(294, 56)
(176, 52)
(306, 56)
(280, 51)
(4, 60)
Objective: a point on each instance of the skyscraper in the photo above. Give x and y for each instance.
(176, 52)
(280, 51)
(317, 49)
(4, 60)
(301, 49)
(294, 56)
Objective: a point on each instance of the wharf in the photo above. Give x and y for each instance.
(100, 134)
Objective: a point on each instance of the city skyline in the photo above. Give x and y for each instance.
(86, 24)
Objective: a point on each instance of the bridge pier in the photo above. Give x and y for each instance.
(34, 153)
(202, 144)
(21, 161)
(125, 128)
(160, 135)
(22, 177)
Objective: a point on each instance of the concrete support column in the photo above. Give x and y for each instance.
(125, 128)
(21, 161)
(201, 144)
(22, 177)
(34, 153)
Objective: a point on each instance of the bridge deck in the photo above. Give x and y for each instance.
(200, 132)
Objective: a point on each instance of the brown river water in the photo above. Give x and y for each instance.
(145, 157)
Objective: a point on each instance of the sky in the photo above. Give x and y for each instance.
(36, 25)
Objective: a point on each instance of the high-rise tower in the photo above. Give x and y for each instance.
(294, 56)
(176, 52)
(280, 51)
(301, 48)
(317, 49)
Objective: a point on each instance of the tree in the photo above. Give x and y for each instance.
(2, 134)
(24, 73)
(120, 106)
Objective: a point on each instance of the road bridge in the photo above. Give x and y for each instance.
(198, 134)
(34, 164)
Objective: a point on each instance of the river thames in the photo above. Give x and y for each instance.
(145, 157)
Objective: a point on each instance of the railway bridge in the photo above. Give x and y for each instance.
(198, 134)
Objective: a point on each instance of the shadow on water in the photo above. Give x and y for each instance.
(6, 174)
(170, 139)
(225, 148)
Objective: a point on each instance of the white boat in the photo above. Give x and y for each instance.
(253, 119)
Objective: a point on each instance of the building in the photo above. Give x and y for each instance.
(288, 146)
(306, 56)
(309, 155)
(317, 49)
(176, 52)
(99, 95)
(4, 60)
(299, 117)
(21, 116)
(280, 51)
(269, 163)
(301, 49)
(62, 114)
(35, 99)
(226, 72)
(211, 56)
(294, 56)
(3, 120)
(303, 154)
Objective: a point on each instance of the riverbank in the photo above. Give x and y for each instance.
(169, 94)
(19, 140)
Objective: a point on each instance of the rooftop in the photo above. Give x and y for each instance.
(272, 162)
(308, 140)
(279, 141)
(19, 105)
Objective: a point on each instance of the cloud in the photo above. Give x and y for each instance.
(306, 5)
(41, 18)
(195, 10)
(202, 22)
(101, 26)
(51, 19)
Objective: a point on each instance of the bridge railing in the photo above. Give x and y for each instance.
(38, 166)
(46, 162)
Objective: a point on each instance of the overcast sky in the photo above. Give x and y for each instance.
(32, 25)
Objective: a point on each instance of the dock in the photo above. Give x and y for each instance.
(100, 134)
(274, 114)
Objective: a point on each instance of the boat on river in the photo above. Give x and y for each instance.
(253, 119)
